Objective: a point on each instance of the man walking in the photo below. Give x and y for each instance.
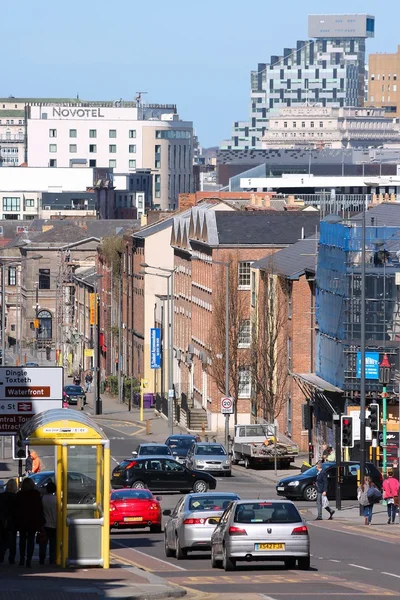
(322, 489)
(88, 381)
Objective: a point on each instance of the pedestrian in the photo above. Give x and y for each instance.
(8, 526)
(88, 380)
(77, 379)
(29, 519)
(331, 456)
(36, 464)
(28, 464)
(322, 490)
(325, 452)
(50, 526)
(391, 487)
(362, 497)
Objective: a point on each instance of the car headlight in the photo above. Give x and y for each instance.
(200, 462)
(228, 462)
(293, 483)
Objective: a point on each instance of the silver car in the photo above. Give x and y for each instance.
(189, 527)
(209, 456)
(260, 530)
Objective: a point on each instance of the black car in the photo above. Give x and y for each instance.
(73, 393)
(160, 473)
(302, 486)
(180, 445)
(81, 488)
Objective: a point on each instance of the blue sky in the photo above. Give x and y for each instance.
(195, 53)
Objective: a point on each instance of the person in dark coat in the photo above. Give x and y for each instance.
(28, 463)
(30, 519)
(8, 528)
(322, 490)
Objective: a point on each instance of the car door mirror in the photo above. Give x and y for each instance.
(174, 454)
(158, 498)
(167, 512)
(134, 453)
(213, 521)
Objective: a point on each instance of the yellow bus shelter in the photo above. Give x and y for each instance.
(82, 478)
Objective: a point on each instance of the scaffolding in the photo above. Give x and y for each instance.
(65, 297)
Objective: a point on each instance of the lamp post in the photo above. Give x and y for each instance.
(362, 350)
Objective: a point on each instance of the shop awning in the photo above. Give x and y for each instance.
(328, 396)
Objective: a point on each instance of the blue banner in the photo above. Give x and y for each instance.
(155, 348)
(371, 365)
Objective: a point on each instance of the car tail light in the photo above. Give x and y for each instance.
(112, 507)
(380, 477)
(237, 531)
(194, 521)
(300, 530)
(154, 507)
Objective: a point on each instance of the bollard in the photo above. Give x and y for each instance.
(80, 404)
(203, 429)
(148, 427)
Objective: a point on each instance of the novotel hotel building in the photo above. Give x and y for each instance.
(122, 136)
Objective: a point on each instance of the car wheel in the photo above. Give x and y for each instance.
(200, 486)
(290, 563)
(228, 474)
(304, 563)
(88, 499)
(310, 493)
(215, 563)
(168, 551)
(180, 553)
(229, 564)
(138, 485)
(247, 463)
(155, 529)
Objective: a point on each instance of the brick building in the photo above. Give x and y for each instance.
(200, 243)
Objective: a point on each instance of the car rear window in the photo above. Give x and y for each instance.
(155, 451)
(267, 512)
(73, 389)
(214, 503)
(132, 495)
(128, 464)
(212, 450)
(180, 443)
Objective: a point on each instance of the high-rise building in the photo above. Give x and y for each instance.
(384, 82)
(328, 70)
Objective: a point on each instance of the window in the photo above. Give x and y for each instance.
(92, 133)
(394, 77)
(45, 327)
(44, 279)
(321, 123)
(132, 164)
(303, 123)
(289, 352)
(312, 124)
(294, 124)
(29, 203)
(132, 148)
(92, 163)
(72, 133)
(372, 76)
(285, 124)
(132, 133)
(244, 334)
(73, 148)
(52, 147)
(289, 416)
(12, 275)
(244, 382)
(157, 186)
(383, 88)
(53, 162)
(395, 87)
(253, 288)
(112, 148)
(244, 275)
(112, 133)
(290, 300)
(11, 204)
(112, 164)
(372, 99)
(52, 132)
(92, 148)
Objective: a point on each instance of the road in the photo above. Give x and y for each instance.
(344, 562)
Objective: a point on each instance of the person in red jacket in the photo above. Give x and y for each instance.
(391, 487)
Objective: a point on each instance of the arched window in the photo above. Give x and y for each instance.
(45, 325)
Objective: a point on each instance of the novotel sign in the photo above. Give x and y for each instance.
(93, 113)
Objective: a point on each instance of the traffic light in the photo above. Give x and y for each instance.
(347, 433)
(374, 417)
(19, 449)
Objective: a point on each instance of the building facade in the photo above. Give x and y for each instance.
(383, 82)
(328, 70)
(12, 132)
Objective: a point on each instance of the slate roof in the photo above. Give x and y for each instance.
(269, 228)
(386, 213)
(293, 261)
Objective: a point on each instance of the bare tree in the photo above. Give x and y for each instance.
(239, 358)
(269, 345)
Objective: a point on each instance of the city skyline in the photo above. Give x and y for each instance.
(198, 59)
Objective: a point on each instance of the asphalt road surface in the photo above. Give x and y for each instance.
(346, 560)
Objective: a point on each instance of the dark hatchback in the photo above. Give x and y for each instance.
(72, 393)
(81, 488)
(302, 486)
(161, 474)
(180, 445)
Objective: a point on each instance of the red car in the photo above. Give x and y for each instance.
(135, 509)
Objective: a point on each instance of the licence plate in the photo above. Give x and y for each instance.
(215, 519)
(117, 474)
(280, 488)
(269, 546)
(133, 519)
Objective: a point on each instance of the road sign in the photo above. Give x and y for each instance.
(227, 405)
(27, 391)
(155, 348)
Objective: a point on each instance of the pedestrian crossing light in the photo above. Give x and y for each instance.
(347, 432)
(374, 417)
(19, 449)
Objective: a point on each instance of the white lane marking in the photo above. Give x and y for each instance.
(333, 560)
(114, 459)
(390, 574)
(267, 597)
(384, 541)
(360, 567)
(149, 556)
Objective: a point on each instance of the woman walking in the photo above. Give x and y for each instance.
(362, 496)
(391, 487)
(8, 528)
(30, 519)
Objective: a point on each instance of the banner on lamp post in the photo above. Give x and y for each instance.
(155, 348)
(93, 309)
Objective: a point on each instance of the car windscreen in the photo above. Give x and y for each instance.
(155, 451)
(132, 495)
(313, 471)
(210, 503)
(73, 389)
(39, 478)
(267, 512)
(179, 443)
(211, 450)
